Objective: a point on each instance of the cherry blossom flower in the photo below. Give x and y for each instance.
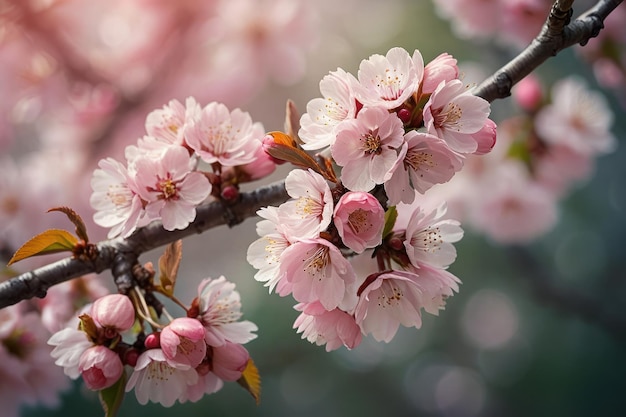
(424, 160)
(170, 188)
(560, 166)
(219, 312)
(69, 344)
(182, 342)
(115, 199)
(264, 253)
(334, 328)
(219, 135)
(366, 148)
(311, 208)
(437, 285)
(388, 81)
(386, 300)
(100, 367)
(114, 311)
(317, 270)
(318, 124)
(577, 117)
(158, 380)
(359, 219)
(429, 238)
(167, 124)
(454, 114)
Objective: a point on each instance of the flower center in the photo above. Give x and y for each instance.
(119, 195)
(372, 143)
(449, 116)
(317, 262)
(389, 295)
(358, 221)
(168, 189)
(419, 160)
(429, 239)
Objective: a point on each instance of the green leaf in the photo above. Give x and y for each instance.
(111, 398)
(50, 241)
(390, 220)
(251, 380)
(168, 266)
(81, 229)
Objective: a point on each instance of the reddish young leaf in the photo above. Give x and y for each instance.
(50, 241)
(81, 229)
(168, 266)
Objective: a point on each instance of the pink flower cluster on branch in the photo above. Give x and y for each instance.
(394, 132)
(181, 360)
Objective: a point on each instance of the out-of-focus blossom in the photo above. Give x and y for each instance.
(28, 375)
(578, 118)
(512, 208)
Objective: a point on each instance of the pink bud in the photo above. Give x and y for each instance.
(485, 137)
(442, 68)
(359, 219)
(263, 165)
(230, 193)
(100, 367)
(229, 361)
(527, 93)
(182, 341)
(114, 311)
(268, 143)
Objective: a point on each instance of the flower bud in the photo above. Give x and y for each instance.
(100, 367)
(182, 341)
(114, 311)
(486, 138)
(527, 93)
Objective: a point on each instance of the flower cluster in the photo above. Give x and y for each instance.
(182, 360)
(163, 178)
(27, 376)
(512, 194)
(396, 130)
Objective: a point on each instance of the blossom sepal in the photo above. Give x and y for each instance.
(111, 398)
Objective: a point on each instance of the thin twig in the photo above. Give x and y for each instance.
(557, 34)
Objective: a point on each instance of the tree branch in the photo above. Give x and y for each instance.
(556, 34)
(121, 255)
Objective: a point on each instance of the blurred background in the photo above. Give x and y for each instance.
(535, 330)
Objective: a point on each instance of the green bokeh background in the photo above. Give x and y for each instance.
(554, 364)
